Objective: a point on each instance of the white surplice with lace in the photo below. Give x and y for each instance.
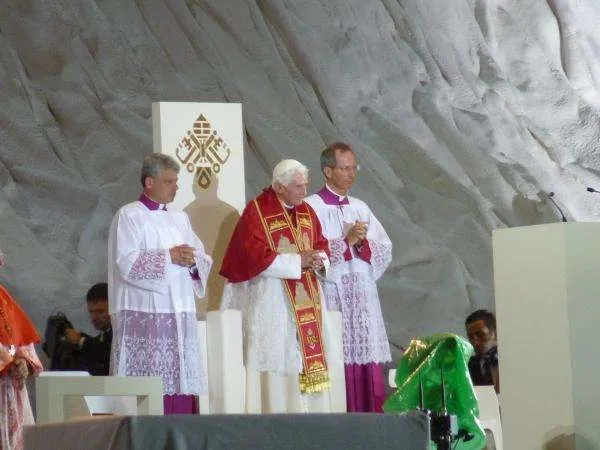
(272, 353)
(152, 301)
(350, 286)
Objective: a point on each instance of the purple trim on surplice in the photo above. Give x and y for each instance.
(331, 198)
(364, 251)
(151, 204)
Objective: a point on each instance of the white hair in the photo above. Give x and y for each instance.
(285, 170)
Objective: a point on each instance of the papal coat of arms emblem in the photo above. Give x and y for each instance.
(202, 151)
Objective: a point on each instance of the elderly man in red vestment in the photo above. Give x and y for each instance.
(18, 361)
(272, 264)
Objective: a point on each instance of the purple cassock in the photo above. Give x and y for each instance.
(351, 288)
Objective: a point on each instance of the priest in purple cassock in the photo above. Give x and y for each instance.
(360, 252)
(156, 267)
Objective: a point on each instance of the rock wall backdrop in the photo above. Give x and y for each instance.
(464, 114)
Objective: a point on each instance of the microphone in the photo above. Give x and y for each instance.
(562, 215)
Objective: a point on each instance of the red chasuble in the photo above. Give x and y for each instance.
(15, 327)
(265, 230)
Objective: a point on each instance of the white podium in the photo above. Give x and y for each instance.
(547, 292)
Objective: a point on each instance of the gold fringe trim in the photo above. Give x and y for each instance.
(314, 382)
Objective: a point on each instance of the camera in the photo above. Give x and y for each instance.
(61, 353)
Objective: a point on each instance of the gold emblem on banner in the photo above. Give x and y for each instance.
(202, 151)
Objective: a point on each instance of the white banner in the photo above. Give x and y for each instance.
(207, 141)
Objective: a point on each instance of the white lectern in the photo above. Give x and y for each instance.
(547, 289)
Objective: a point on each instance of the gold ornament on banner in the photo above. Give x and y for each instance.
(202, 151)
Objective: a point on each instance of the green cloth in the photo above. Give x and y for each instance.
(427, 358)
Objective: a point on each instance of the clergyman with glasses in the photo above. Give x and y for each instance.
(360, 253)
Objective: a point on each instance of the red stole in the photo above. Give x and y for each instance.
(15, 327)
(304, 296)
(249, 251)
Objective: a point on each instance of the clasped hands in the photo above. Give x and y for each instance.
(312, 259)
(183, 255)
(357, 233)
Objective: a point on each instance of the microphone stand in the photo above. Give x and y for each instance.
(562, 215)
(441, 427)
(440, 423)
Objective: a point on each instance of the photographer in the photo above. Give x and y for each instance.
(79, 351)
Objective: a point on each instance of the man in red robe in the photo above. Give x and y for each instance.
(272, 264)
(18, 361)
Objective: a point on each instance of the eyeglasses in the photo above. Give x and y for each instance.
(346, 169)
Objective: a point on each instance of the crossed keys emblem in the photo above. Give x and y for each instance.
(202, 151)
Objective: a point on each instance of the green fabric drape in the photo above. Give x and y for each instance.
(426, 359)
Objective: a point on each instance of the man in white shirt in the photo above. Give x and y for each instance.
(360, 252)
(156, 266)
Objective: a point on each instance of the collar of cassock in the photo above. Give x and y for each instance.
(331, 198)
(151, 204)
(288, 208)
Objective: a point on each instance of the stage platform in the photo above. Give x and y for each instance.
(239, 432)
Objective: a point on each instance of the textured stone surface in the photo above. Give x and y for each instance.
(462, 113)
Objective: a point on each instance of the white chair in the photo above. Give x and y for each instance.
(489, 412)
